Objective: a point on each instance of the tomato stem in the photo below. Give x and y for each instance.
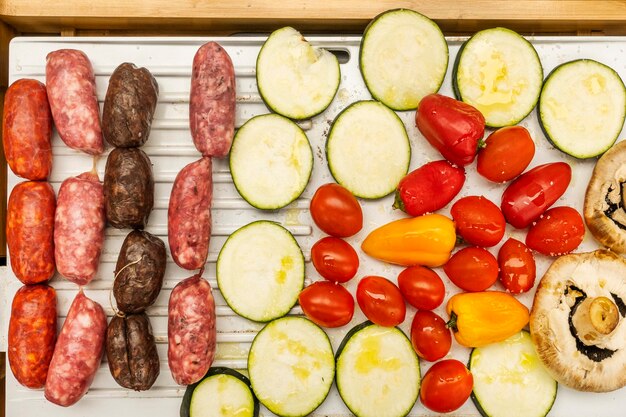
(451, 324)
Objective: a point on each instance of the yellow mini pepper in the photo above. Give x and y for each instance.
(480, 318)
(425, 240)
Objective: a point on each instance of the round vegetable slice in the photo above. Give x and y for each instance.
(260, 271)
(404, 57)
(582, 107)
(270, 161)
(498, 72)
(368, 149)
(295, 78)
(291, 366)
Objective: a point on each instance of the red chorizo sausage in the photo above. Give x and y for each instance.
(77, 353)
(189, 215)
(191, 330)
(71, 86)
(212, 101)
(79, 227)
(27, 130)
(32, 333)
(30, 231)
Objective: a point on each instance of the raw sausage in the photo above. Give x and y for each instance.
(27, 130)
(77, 353)
(79, 227)
(139, 272)
(71, 86)
(191, 330)
(128, 188)
(212, 101)
(129, 106)
(132, 352)
(189, 215)
(30, 231)
(32, 333)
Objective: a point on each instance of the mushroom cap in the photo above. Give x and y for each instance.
(604, 212)
(594, 274)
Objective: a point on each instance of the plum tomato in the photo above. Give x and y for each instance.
(478, 221)
(558, 231)
(430, 336)
(336, 211)
(334, 259)
(381, 301)
(517, 266)
(472, 269)
(327, 304)
(506, 154)
(421, 287)
(446, 386)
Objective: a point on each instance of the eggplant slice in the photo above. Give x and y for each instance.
(605, 210)
(577, 321)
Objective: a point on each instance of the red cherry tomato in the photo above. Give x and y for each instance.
(558, 231)
(506, 154)
(472, 269)
(517, 266)
(381, 301)
(327, 304)
(336, 211)
(430, 337)
(421, 287)
(335, 259)
(526, 198)
(478, 221)
(446, 386)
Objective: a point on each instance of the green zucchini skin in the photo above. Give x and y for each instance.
(349, 335)
(216, 370)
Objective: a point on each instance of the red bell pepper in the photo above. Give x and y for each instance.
(454, 128)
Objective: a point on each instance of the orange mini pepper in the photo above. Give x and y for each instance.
(425, 240)
(480, 318)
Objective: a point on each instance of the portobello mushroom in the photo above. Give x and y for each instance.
(577, 321)
(604, 211)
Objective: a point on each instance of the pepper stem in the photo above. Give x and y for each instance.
(451, 324)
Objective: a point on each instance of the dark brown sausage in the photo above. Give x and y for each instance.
(30, 231)
(191, 330)
(71, 87)
(139, 271)
(32, 333)
(129, 106)
(79, 228)
(128, 188)
(27, 130)
(189, 215)
(212, 101)
(77, 353)
(132, 352)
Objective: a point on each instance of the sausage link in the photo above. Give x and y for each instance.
(191, 330)
(212, 101)
(77, 353)
(71, 86)
(189, 215)
(30, 231)
(27, 130)
(32, 333)
(79, 227)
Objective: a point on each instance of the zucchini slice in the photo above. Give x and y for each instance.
(368, 149)
(223, 392)
(498, 72)
(404, 57)
(270, 161)
(378, 372)
(510, 380)
(296, 79)
(260, 271)
(291, 366)
(582, 108)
